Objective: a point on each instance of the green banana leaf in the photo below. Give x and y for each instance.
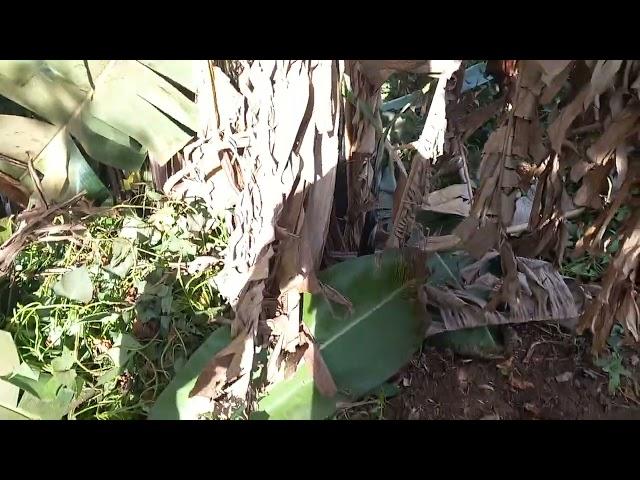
(8, 361)
(38, 409)
(64, 168)
(174, 402)
(42, 399)
(118, 110)
(7, 413)
(44, 396)
(181, 72)
(41, 385)
(362, 349)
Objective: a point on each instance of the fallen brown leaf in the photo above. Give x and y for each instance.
(214, 374)
(594, 184)
(292, 361)
(13, 189)
(555, 84)
(469, 124)
(477, 241)
(520, 384)
(321, 375)
(453, 199)
(543, 295)
(558, 129)
(310, 284)
(145, 330)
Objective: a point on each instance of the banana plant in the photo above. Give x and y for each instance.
(362, 348)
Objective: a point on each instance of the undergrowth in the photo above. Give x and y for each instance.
(150, 265)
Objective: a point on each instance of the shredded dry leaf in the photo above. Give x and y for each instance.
(429, 147)
(544, 296)
(618, 284)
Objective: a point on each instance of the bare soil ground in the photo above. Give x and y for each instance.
(549, 375)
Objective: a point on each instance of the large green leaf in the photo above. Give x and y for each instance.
(174, 402)
(444, 268)
(65, 361)
(64, 168)
(47, 410)
(362, 349)
(45, 396)
(182, 73)
(8, 361)
(11, 413)
(41, 385)
(118, 109)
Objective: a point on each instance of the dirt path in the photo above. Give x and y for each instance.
(550, 375)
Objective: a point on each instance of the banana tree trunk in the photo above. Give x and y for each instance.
(272, 137)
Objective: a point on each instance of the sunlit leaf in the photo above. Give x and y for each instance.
(8, 361)
(75, 285)
(117, 109)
